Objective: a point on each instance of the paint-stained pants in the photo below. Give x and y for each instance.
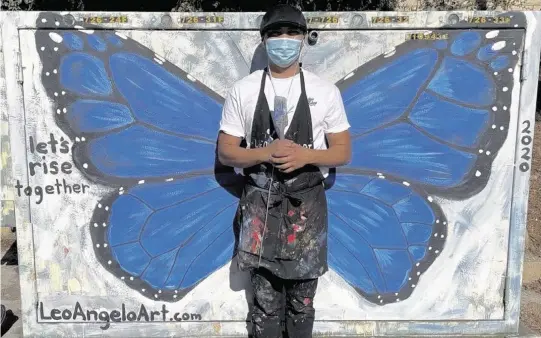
(269, 300)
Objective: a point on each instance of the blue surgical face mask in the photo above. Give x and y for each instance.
(283, 52)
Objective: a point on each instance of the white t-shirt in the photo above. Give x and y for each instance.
(324, 98)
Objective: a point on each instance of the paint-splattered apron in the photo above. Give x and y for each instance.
(294, 244)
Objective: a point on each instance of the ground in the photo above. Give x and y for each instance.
(531, 294)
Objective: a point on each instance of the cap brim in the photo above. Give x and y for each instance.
(283, 24)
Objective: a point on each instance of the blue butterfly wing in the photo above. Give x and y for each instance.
(162, 239)
(382, 235)
(428, 118)
(150, 129)
(134, 114)
(434, 113)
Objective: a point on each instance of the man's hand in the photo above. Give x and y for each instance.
(279, 147)
(291, 157)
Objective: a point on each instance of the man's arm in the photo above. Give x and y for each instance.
(338, 153)
(231, 154)
(295, 157)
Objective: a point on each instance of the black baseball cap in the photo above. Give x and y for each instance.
(282, 15)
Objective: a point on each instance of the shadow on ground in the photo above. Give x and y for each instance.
(8, 319)
(10, 257)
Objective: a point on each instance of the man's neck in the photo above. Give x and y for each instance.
(282, 73)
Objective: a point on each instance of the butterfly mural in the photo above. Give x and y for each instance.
(427, 120)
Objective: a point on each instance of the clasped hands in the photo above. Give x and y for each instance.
(288, 156)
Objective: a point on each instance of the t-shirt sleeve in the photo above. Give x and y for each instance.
(232, 121)
(336, 119)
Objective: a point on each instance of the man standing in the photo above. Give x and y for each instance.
(282, 214)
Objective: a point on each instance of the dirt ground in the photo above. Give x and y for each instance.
(531, 311)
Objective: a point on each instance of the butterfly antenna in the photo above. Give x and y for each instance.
(266, 216)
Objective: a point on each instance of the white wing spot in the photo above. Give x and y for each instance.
(47, 73)
(107, 208)
(436, 234)
(143, 290)
(349, 75)
(417, 264)
(83, 139)
(55, 71)
(55, 37)
(406, 184)
(95, 225)
(412, 285)
(505, 89)
(493, 126)
(169, 180)
(82, 29)
(109, 262)
(492, 34)
(99, 205)
(56, 49)
(104, 225)
(502, 128)
(477, 173)
(58, 111)
(64, 110)
(55, 94)
(131, 277)
(418, 273)
(514, 52)
(495, 73)
(97, 245)
(481, 151)
(494, 108)
(78, 140)
(430, 199)
(488, 152)
(42, 48)
(437, 251)
(176, 291)
(429, 248)
(141, 182)
(442, 236)
(510, 70)
(104, 245)
(44, 20)
(85, 165)
(174, 296)
(498, 45)
(389, 53)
